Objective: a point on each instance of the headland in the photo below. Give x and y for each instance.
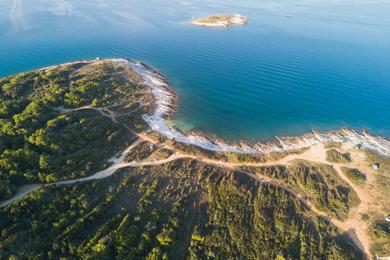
(322, 180)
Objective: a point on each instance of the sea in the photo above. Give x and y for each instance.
(298, 65)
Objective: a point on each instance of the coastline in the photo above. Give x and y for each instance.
(166, 101)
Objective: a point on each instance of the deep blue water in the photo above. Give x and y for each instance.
(296, 66)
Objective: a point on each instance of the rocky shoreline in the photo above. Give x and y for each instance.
(166, 101)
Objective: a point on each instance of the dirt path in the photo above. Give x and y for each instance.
(118, 163)
(354, 225)
(20, 193)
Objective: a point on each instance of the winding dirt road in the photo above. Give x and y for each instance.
(354, 225)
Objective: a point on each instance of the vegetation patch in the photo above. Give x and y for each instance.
(320, 183)
(354, 175)
(140, 152)
(161, 154)
(39, 143)
(216, 18)
(331, 144)
(382, 178)
(380, 234)
(384, 162)
(332, 155)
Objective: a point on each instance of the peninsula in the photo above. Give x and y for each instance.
(221, 20)
(89, 168)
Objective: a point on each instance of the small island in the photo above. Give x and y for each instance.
(221, 20)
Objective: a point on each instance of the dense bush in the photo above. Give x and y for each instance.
(320, 183)
(38, 143)
(332, 155)
(355, 175)
(183, 209)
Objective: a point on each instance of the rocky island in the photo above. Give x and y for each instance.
(221, 20)
(90, 169)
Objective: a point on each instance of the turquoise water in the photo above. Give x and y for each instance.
(297, 66)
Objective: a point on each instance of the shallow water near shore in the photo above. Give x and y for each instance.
(296, 66)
